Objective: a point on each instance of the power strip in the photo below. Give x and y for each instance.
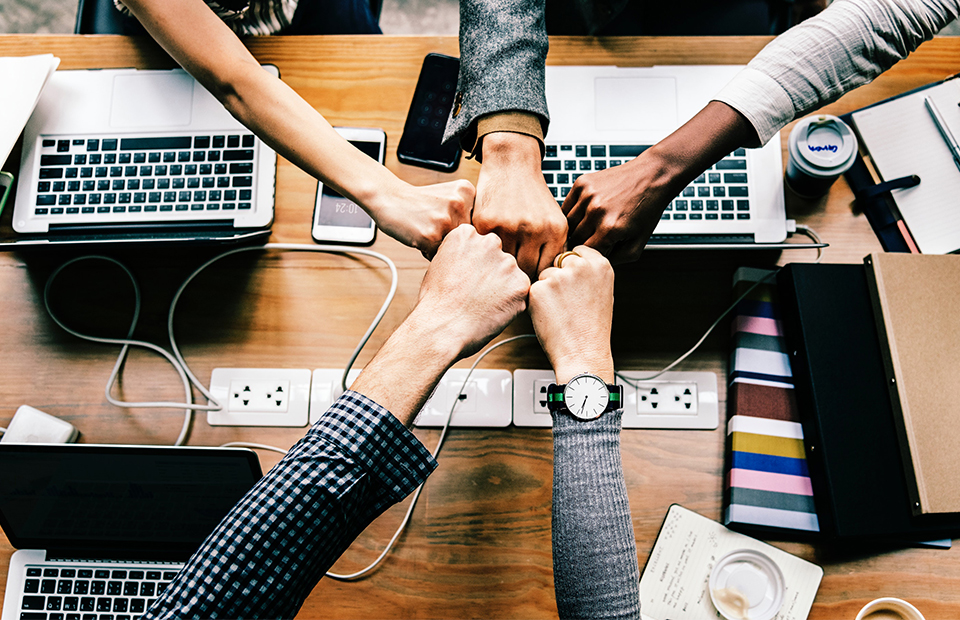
(485, 401)
(678, 400)
(294, 397)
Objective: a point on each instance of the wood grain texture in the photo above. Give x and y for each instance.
(479, 542)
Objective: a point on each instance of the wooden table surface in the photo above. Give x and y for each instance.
(479, 542)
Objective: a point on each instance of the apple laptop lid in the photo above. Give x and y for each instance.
(121, 155)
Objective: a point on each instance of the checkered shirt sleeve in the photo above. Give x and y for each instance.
(274, 546)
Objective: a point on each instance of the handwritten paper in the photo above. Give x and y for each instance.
(903, 139)
(21, 81)
(674, 583)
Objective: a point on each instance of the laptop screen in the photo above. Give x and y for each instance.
(129, 499)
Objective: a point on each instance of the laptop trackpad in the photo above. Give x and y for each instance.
(152, 101)
(644, 104)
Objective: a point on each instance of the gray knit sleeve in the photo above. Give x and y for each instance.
(595, 567)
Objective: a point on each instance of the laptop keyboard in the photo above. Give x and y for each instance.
(720, 193)
(91, 593)
(155, 178)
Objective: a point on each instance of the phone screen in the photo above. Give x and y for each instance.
(335, 210)
(421, 142)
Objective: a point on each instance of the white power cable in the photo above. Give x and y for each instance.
(126, 344)
(635, 382)
(176, 358)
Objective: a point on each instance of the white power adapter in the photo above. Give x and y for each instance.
(31, 425)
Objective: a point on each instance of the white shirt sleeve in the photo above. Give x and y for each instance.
(817, 61)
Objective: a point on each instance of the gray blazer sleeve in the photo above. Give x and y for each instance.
(503, 50)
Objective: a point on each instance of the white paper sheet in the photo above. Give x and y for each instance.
(21, 81)
(902, 139)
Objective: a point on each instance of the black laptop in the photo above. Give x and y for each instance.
(101, 530)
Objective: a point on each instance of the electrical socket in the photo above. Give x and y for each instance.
(661, 403)
(667, 398)
(530, 397)
(681, 400)
(260, 397)
(485, 400)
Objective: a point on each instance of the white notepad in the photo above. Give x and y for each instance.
(902, 139)
(23, 80)
(674, 581)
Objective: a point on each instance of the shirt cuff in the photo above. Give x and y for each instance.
(374, 437)
(513, 121)
(761, 100)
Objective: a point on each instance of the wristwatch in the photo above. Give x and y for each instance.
(586, 397)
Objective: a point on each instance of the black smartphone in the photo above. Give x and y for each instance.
(420, 144)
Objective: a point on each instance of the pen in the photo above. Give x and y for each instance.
(944, 130)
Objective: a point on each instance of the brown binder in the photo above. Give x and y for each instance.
(916, 299)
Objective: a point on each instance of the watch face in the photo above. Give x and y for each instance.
(586, 397)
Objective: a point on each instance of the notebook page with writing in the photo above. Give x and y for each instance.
(903, 139)
(674, 581)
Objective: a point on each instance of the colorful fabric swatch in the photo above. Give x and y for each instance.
(767, 483)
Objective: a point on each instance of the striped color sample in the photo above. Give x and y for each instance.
(767, 483)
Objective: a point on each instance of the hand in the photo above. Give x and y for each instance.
(513, 202)
(572, 312)
(472, 290)
(616, 210)
(422, 216)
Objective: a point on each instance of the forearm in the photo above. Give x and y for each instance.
(407, 368)
(814, 63)
(203, 45)
(595, 569)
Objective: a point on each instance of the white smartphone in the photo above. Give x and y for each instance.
(337, 219)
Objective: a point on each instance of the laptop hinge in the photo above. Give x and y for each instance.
(700, 239)
(141, 227)
(115, 555)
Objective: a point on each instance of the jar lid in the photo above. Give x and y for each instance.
(824, 143)
(747, 584)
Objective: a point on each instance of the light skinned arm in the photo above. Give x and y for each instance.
(203, 45)
(471, 291)
(513, 201)
(595, 568)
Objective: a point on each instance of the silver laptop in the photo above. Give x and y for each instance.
(101, 530)
(602, 117)
(126, 155)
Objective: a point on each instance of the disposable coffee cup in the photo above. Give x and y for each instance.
(889, 608)
(821, 148)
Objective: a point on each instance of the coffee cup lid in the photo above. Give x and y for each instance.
(747, 584)
(823, 144)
